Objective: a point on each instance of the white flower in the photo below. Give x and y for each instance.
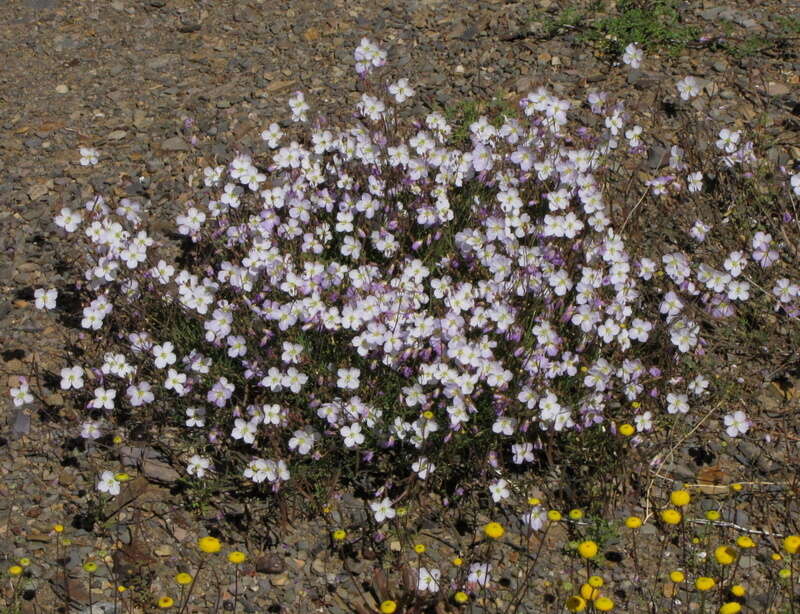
(164, 355)
(303, 441)
(140, 394)
(352, 435)
(423, 467)
(162, 272)
(499, 490)
(236, 346)
(382, 509)
(294, 380)
(504, 425)
(108, 483)
(683, 334)
(258, 470)
(175, 381)
(348, 378)
(271, 414)
(634, 136)
(272, 135)
(195, 416)
(45, 299)
(698, 385)
(116, 364)
(401, 90)
(21, 394)
(644, 422)
(677, 403)
(728, 140)
(688, 88)
(736, 424)
(428, 579)
(479, 573)
(699, 230)
(245, 430)
(103, 398)
(198, 465)
(535, 518)
(91, 430)
(738, 290)
(368, 56)
(523, 453)
(299, 106)
(68, 220)
(89, 156)
(212, 175)
(291, 352)
(633, 56)
(784, 290)
(71, 377)
(695, 181)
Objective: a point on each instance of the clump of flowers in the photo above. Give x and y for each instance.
(373, 297)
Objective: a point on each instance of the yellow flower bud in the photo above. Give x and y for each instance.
(494, 530)
(576, 603)
(633, 522)
(704, 583)
(209, 545)
(679, 498)
(388, 607)
(671, 516)
(587, 549)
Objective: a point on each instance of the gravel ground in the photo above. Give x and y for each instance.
(159, 87)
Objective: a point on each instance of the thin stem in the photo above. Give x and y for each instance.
(235, 588)
(191, 586)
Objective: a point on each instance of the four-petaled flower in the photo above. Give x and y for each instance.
(108, 483)
(736, 423)
(382, 509)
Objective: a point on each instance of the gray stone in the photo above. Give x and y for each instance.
(162, 61)
(21, 425)
(132, 456)
(158, 471)
(149, 462)
(41, 4)
(104, 607)
(270, 564)
(657, 157)
(175, 143)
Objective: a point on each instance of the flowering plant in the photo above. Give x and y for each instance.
(373, 299)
